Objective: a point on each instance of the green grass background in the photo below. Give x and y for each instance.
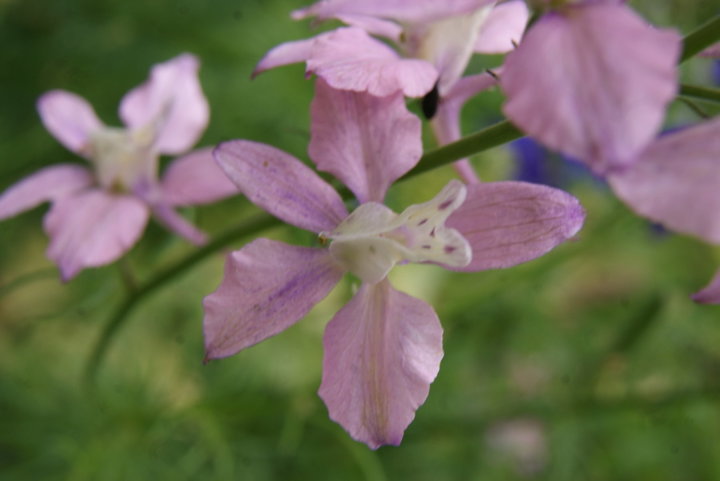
(590, 363)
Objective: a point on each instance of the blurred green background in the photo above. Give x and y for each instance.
(590, 363)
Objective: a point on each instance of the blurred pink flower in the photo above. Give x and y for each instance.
(383, 348)
(592, 79)
(436, 41)
(676, 182)
(98, 214)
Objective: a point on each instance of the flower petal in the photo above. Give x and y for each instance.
(503, 28)
(592, 82)
(349, 59)
(411, 11)
(46, 184)
(281, 184)
(172, 101)
(69, 118)
(167, 216)
(676, 181)
(507, 223)
(382, 351)
(374, 26)
(448, 44)
(365, 141)
(92, 229)
(195, 179)
(268, 286)
(710, 294)
(285, 54)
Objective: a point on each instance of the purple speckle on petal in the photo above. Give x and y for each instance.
(422, 222)
(449, 249)
(432, 232)
(446, 204)
(425, 246)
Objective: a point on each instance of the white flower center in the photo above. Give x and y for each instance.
(122, 157)
(371, 240)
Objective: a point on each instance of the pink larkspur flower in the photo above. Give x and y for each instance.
(592, 80)
(435, 41)
(98, 214)
(676, 182)
(383, 348)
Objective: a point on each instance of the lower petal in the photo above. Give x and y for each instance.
(178, 224)
(268, 286)
(195, 179)
(92, 229)
(382, 351)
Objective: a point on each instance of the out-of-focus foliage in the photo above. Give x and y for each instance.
(590, 363)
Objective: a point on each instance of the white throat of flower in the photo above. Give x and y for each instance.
(447, 43)
(371, 240)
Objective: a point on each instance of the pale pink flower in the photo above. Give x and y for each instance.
(592, 79)
(383, 348)
(97, 214)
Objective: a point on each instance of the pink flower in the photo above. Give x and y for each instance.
(98, 214)
(592, 80)
(435, 40)
(383, 348)
(676, 182)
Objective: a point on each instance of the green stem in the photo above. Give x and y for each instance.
(700, 93)
(701, 38)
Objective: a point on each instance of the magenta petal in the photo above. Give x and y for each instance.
(713, 51)
(69, 118)
(196, 178)
(592, 82)
(268, 286)
(507, 223)
(676, 181)
(710, 294)
(349, 59)
(382, 351)
(173, 101)
(285, 54)
(411, 11)
(281, 184)
(46, 184)
(367, 142)
(503, 28)
(92, 229)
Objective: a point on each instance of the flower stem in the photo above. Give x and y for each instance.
(700, 93)
(701, 38)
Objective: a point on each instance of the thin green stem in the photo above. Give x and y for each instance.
(701, 93)
(701, 38)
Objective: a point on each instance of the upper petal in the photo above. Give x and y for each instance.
(373, 25)
(196, 178)
(349, 59)
(503, 28)
(507, 223)
(592, 82)
(46, 184)
(281, 184)
(172, 101)
(382, 351)
(268, 286)
(69, 118)
(676, 181)
(411, 11)
(92, 228)
(367, 142)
